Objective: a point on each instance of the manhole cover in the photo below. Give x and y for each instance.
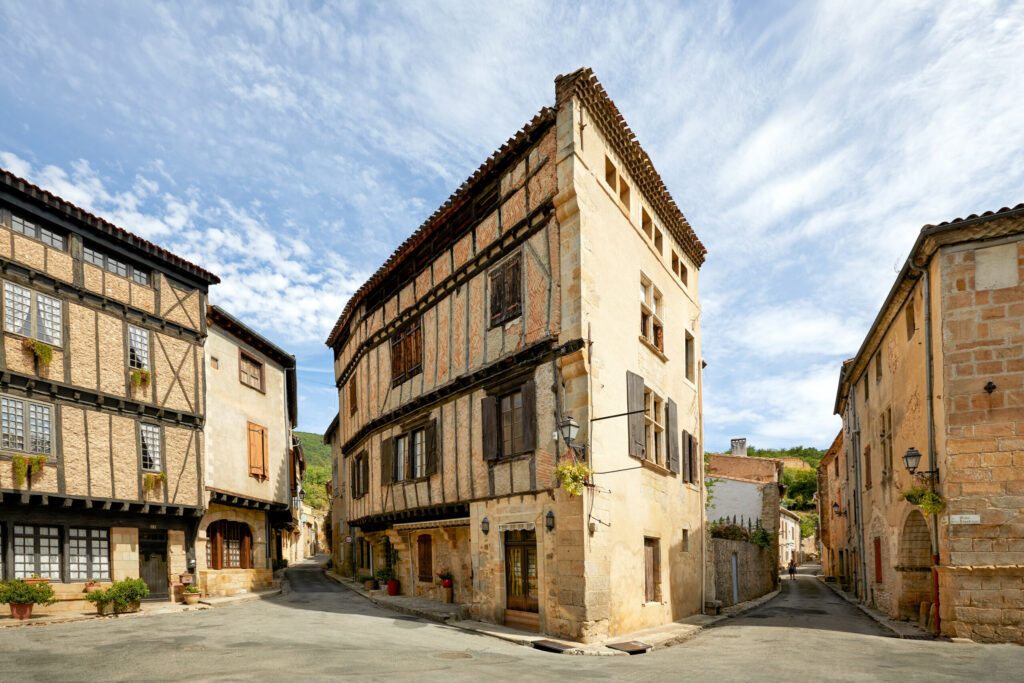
(633, 647)
(453, 655)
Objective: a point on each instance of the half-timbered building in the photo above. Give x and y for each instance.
(252, 468)
(101, 398)
(511, 309)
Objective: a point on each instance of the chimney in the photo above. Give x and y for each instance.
(739, 447)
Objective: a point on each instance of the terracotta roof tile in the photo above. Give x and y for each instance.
(81, 215)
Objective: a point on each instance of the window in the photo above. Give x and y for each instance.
(506, 291)
(418, 455)
(654, 428)
(258, 451)
(214, 362)
(228, 545)
(425, 557)
(909, 317)
(610, 174)
(867, 391)
(13, 430)
(691, 358)
(652, 570)
(149, 441)
(138, 348)
(250, 371)
(89, 554)
(32, 314)
(691, 456)
(406, 353)
(837, 465)
(684, 544)
(509, 420)
(658, 243)
(624, 193)
(29, 229)
(37, 552)
(675, 262)
(401, 454)
(651, 310)
(352, 393)
(867, 467)
(646, 223)
(878, 367)
(364, 553)
(360, 475)
(113, 265)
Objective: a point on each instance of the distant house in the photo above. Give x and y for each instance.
(790, 546)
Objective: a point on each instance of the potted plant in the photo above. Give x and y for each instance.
(191, 594)
(930, 502)
(21, 596)
(386, 575)
(42, 353)
(369, 583)
(126, 595)
(140, 378)
(572, 476)
(446, 578)
(101, 599)
(152, 482)
(35, 578)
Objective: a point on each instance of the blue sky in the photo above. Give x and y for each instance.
(290, 146)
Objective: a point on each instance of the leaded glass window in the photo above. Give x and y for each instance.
(138, 347)
(37, 551)
(150, 442)
(89, 554)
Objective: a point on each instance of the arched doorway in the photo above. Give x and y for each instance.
(914, 565)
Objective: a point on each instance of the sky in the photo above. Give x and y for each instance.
(289, 147)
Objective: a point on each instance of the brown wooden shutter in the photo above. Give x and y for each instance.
(263, 443)
(397, 368)
(255, 450)
(635, 402)
(489, 426)
(425, 559)
(513, 287)
(694, 459)
(497, 295)
(687, 473)
(365, 485)
(529, 392)
(245, 561)
(213, 537)
(673, 436)
(878, 560)
(649, 571)
(353, 481)
(387, 461)
(431, 439)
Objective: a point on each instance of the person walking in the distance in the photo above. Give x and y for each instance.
(792, 568)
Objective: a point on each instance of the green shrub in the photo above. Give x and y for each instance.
(126, 592)
(17, 592)
(761, 538)
(930, 502)
(98, 597)
(192, 588)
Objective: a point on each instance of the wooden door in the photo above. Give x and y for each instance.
(521, 571)
(153, 561)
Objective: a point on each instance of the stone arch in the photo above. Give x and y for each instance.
(229, 515)
(915, 562)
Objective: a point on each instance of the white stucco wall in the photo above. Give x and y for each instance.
(231, 405)
(733, 498)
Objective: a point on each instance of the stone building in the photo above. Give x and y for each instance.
(838, 550)
(252, 467)
(940, 375)
(101, 396)
(560, 280)
(790, 546)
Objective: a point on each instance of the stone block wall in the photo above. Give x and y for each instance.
(985, 604)
(757, 573)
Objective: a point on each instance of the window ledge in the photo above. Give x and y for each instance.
(653, 349)
(655, 467)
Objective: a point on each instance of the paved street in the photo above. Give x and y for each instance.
(322, 631)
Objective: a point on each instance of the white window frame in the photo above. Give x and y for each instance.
(418, 452)
(401, 456)
(138, 348)
(29, 561)
(155, 435)
(652, 307)
(37, 322)
(654, 428)
(88, 554)
(24, 425)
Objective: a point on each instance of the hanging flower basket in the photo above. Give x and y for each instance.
(42, 351)
(573, 476)
(930, 502)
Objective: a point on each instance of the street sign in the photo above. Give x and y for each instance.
(965, 519)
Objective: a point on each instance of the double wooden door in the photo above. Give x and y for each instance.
(521, 571)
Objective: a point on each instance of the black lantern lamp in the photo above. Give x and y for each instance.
(485, 526)
(911, 460)
(569, 429)
(549, 520)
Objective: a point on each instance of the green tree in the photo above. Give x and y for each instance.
(801, 485)
(808, 525)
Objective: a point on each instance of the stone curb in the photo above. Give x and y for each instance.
(878, 619)
(595, 650)
(11, 623)
(244, 597)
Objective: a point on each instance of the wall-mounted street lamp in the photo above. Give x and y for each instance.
(569, 428)
(549, 520)
(836, 511)
(485, 526)
(911, 459)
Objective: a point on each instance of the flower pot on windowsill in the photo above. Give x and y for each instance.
(35, 580)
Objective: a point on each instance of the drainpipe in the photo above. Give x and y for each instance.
(858, 505)
(703, 502)
(932, 455)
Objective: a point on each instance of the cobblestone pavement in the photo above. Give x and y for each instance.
(321, 631)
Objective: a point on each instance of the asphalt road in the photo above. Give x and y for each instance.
(321, 631)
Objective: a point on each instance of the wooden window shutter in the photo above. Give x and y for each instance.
(687, 462)
(425, 559)
(529, 393)
(213, 538)
(673, 436)
(397, 367)
(255, 448)
(694, 455)
(513, 287)
(352, 405)
(387, 461)
(431, 445)
(353, 481)
(489, 426)
(635, 402)
(878, 560)
(266, 465)
(497, 295)
(245, 561)
(365, 474)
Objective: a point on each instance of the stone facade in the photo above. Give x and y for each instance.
(742, 571)
(558, 210)
(956, 314)
(101, 356)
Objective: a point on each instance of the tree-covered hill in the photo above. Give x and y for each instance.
(318, 469)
